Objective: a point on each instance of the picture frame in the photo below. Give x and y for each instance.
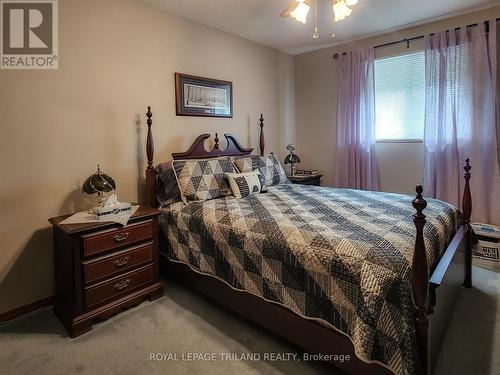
(201, 96)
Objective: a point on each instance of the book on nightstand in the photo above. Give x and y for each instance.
(306, 172)
(486, 251)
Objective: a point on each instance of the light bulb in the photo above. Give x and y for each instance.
(351, 2)
(315, 34)
(300, 12)
(341, 10)
(333, 35)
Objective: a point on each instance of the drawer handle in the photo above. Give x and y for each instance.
(121, 261)
(121, 236)
(122, 284)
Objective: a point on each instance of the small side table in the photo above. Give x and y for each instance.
(306, 180)
(104, 268)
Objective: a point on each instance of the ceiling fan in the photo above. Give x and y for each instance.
(299, 9)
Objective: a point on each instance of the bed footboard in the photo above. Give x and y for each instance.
(467, 211)
(446, 277)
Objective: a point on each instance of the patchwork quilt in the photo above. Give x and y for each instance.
(339, 255)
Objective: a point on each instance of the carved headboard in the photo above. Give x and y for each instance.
(196, 151)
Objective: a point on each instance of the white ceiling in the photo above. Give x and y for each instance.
(260, 21)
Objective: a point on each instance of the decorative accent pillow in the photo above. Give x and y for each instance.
(167, 190)
(245, 184)
(201, 180)
(268, 165)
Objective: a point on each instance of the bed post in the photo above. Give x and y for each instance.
(467, 211)
(420, 282)
(150, 172)
(262, 141)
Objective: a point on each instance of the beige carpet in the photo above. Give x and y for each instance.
(183, 322)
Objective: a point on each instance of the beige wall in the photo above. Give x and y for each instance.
(116, 57)
(316, 107)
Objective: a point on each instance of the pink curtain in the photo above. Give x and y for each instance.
(460, 118)
(355, 162)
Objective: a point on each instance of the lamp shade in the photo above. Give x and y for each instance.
(300, 12)
(341, 10)
(292, 159)
(98, 183)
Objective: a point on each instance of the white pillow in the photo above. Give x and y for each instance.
(245, 184)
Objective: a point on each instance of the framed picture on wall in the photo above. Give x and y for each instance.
(200, 96)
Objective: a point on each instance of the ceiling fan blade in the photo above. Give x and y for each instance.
(289, 8)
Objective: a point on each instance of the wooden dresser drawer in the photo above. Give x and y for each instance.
(117, 286)
(115, 263)
(112, 239)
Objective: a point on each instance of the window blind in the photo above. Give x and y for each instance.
(400, 97)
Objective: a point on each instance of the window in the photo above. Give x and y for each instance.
(400, 97)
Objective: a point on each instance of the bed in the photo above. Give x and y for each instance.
(335, 271)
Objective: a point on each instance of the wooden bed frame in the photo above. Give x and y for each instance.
(433, 297)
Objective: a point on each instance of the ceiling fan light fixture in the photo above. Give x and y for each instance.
(316, 33)
(300, 12)
(299, 9)
(341, 10)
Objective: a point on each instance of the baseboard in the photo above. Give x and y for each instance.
(26, 309)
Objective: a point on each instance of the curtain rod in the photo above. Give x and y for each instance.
(408, 40)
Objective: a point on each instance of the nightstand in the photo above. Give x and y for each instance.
(104, 268)
(306, 180)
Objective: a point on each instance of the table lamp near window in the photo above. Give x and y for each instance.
(99, 183)
(292, 158)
